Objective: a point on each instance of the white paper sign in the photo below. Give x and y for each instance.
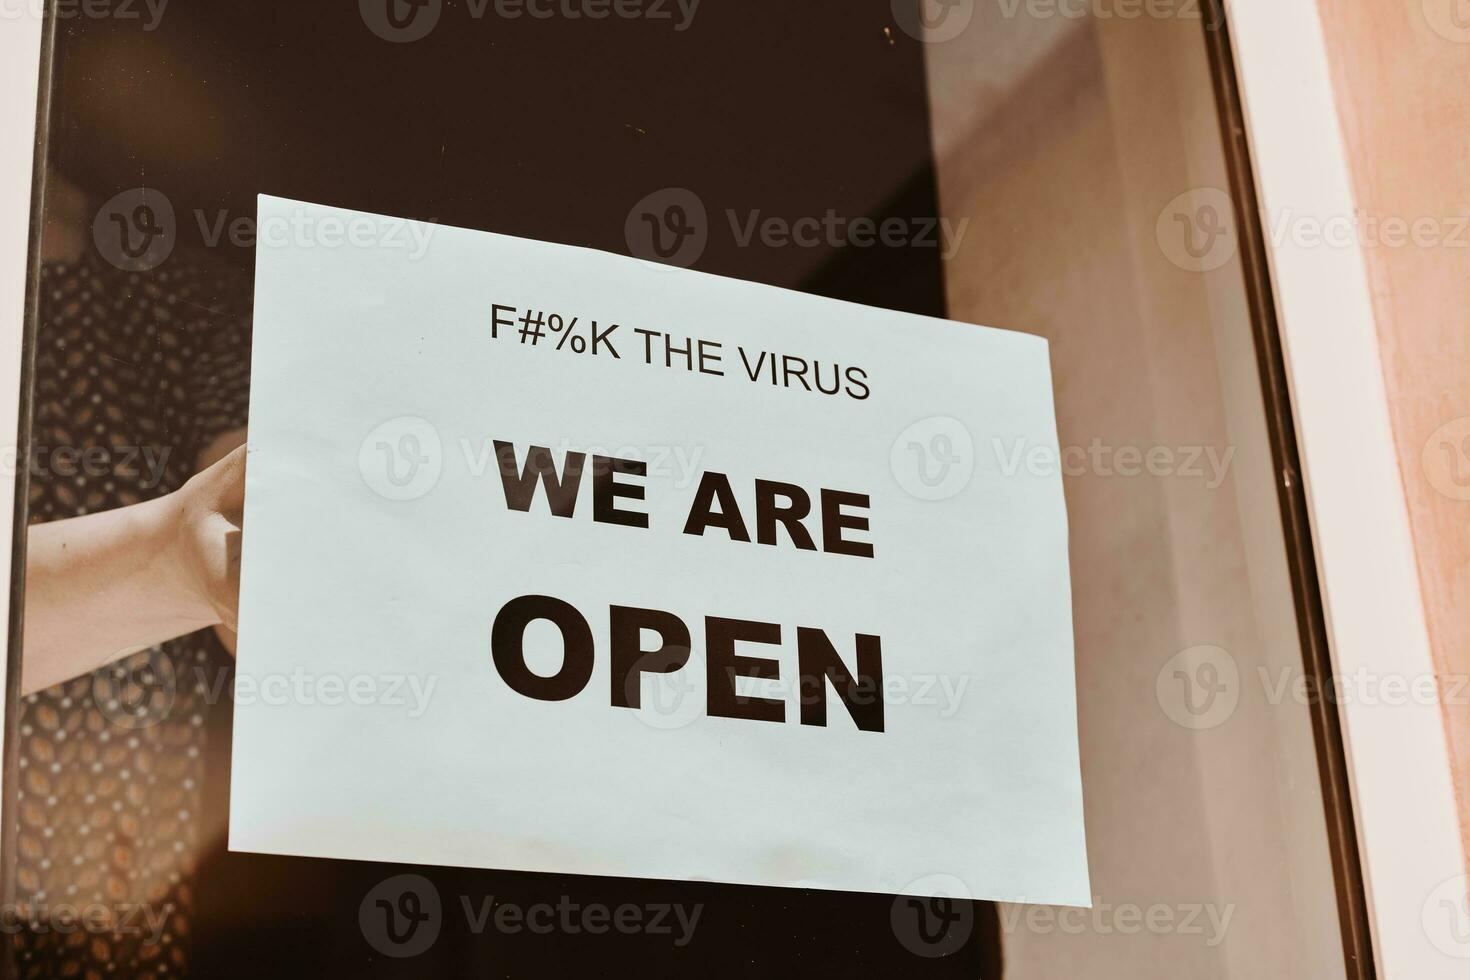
(752, 487)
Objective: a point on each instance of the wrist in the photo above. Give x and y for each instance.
(179, 566)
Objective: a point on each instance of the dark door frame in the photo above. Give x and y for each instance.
(1342, 836)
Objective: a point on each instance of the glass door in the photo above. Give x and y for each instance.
(1067, 170)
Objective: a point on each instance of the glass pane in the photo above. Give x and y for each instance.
(1007, 164)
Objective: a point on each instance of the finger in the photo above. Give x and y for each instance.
(231, 473)
(230, 599)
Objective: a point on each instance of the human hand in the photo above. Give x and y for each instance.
(209, 519)
(112, 582)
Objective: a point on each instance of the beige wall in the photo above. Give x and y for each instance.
(1402, 75)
